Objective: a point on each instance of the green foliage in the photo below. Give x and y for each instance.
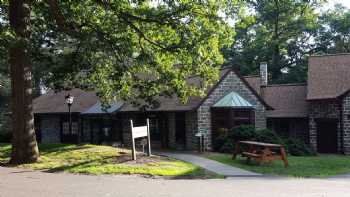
(278, 32)
(111, 46)
(226, 141)
(5, 122)
(297, 147)
(334, 34)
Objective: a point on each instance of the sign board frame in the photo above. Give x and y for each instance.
(138, 132)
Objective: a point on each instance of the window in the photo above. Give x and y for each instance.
(243, 117)
(65, 128)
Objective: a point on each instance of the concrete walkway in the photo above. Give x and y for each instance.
(340, 177)
(211, 165)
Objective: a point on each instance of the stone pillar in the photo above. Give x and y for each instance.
(204, 125)
(346, 125)
(260, 118)
(191, 130)
(312, 133)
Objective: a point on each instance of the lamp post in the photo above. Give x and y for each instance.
(69, 101)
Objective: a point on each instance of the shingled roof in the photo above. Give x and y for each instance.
(54, 102)
(255, 82)
(328, 76)
(288, 100)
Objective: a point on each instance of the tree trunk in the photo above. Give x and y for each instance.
(24, 145)
(276, 56)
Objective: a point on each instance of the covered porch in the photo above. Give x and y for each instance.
(231, 111)
(167, 129)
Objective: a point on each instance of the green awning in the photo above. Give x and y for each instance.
(233, 100)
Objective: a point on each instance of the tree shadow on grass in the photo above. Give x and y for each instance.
(89, 163)
(60, 148)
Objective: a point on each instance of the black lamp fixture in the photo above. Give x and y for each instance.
(69, 100)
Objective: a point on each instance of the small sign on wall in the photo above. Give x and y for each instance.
(139, 132)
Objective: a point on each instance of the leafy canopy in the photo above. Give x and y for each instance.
(333, 36)
(276, 31)
(129, 49)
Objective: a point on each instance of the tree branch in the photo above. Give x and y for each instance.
(60, 19)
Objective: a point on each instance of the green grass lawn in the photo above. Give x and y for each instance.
(314, 166)
(92, 159)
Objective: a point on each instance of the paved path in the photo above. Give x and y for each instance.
(340, 177)
(19, 183)
(211, 165)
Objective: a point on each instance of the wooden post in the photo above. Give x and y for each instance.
(148, 139)
(284, 156)
(133, 141)
(236, 151)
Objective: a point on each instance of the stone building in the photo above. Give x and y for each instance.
(317, 112)
(230, 102)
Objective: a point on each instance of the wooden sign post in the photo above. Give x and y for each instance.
(138, 132)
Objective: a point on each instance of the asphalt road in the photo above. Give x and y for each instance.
(19, 183)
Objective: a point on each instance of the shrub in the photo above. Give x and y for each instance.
(268, 136)
(298, 147)
(226, 140)
(5, 137)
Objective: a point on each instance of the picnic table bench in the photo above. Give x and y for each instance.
(261, 152)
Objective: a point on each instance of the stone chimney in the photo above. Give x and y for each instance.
(263, 73)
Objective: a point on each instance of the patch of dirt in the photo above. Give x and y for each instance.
(141, 159)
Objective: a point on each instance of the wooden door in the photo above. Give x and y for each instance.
(327, 136)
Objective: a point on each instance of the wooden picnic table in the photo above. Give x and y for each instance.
(261, 152)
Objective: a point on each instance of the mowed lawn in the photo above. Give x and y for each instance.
(93, 159)
(321, 166)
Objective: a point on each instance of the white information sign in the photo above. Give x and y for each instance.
(137, 132)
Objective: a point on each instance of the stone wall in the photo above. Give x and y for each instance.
(50, 129)
(346, 124)
(191, 130)
(322, 109)
(231, 83)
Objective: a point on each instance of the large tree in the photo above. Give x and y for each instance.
(133, 50)
(276, 31)
(24, 145)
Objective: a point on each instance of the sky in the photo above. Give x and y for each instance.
(346, 3)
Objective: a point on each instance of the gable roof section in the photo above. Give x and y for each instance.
(54, 102)
(328, 76)
(253, 91)
(288, 100)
